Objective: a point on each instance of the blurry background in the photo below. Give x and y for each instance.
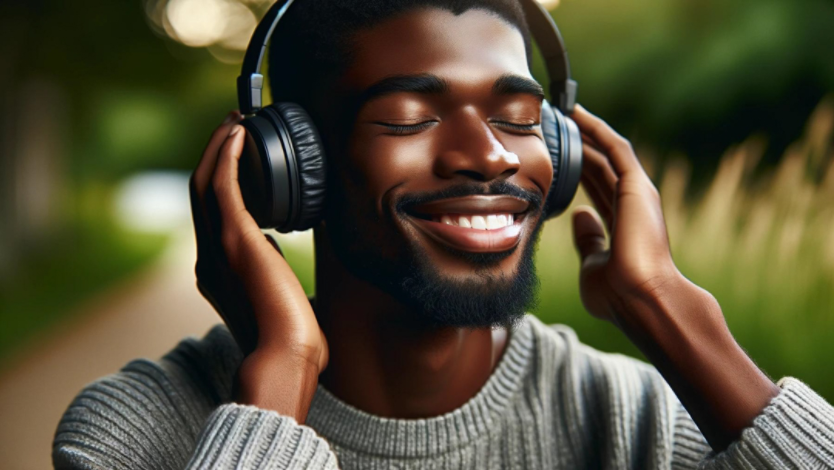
(106, 107)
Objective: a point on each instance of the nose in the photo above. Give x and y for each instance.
(470, 148)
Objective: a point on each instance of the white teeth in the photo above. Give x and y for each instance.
(492, 222)
(478, 222)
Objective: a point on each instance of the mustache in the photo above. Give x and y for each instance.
(496, 188)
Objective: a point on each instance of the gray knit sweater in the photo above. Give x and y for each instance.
(551, 402)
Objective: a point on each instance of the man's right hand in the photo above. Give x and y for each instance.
(244, 276)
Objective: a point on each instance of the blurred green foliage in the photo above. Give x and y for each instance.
(90, 254)
(697, 76)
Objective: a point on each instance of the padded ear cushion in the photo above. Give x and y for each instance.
(310, 165)
(552, 137)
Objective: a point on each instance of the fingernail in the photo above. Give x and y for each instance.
(235, 130)
(232, 117)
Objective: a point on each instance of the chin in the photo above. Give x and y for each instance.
(446, 287)
(484, 260)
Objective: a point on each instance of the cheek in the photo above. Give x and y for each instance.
(380, 163)
(534, 158)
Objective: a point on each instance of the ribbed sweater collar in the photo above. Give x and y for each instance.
(351, 428)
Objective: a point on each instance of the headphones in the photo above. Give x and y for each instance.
(282, 168)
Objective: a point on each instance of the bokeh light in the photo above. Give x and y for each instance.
(222, 26)
(153, 201)
(549, 4)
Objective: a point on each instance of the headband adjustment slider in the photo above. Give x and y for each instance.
(250, 92)
(564, 94)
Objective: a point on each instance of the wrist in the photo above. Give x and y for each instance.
(681, 329)
(675, 309)
(278, 380)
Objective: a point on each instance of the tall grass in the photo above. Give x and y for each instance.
(760, 240)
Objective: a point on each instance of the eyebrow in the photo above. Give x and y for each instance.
(430, 84)
(424, 83)
(509, 84)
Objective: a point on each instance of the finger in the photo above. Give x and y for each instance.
(198, 215)
(235, 221)
(199, 183)
(598, 172)
(588, 141)
(588, 234)
(202, 174)
(616, 147)
(602, 206)
(598, 168)
(199, 180)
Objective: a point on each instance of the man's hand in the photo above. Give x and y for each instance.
(635, 284)
(639, 258)
(245, 277)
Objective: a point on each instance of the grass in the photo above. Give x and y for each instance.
(760, 240)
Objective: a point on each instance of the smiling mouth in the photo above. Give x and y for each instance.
(478, 224)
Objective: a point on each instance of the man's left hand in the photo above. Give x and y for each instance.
(638, 261)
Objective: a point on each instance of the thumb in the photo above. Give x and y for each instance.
(588, 232)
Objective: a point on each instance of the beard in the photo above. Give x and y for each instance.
(408, 274)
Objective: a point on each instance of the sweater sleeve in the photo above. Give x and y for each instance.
(689, 447)
(795, 431)
(175, 414)
(136, 419)
(241, 436)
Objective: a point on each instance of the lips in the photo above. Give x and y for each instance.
(478, 223)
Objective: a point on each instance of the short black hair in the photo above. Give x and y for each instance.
(313, 42)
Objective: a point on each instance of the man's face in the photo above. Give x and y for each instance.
(438, 198)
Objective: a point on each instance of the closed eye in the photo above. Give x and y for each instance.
(406, 129)
(516, 127)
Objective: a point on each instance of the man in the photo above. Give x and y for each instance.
(415, 352)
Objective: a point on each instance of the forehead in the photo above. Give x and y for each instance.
(474, 46)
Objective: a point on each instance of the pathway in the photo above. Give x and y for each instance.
(144, 316)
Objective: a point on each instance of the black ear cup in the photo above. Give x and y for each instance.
(310, 164)
(552, 137)
(564, 142)
(282, 168)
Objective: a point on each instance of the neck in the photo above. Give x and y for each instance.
(385, 365)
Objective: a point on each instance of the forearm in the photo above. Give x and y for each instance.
(681, 330)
